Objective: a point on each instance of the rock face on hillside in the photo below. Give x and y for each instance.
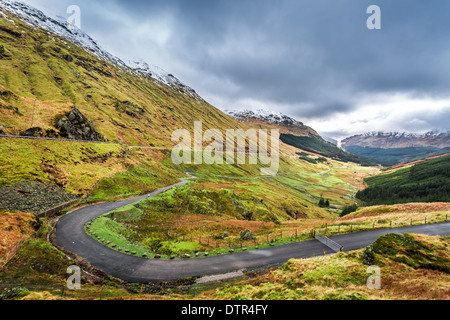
(74, 125)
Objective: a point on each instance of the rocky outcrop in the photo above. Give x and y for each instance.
(74, 125)
(130, 109)
(33, 196)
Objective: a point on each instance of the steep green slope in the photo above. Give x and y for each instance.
(42, 76)
(50, 87)
(428, 181)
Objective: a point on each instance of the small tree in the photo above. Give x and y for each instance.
(321, 202)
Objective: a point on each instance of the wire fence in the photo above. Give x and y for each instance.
(236, 242)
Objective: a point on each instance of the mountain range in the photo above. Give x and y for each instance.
(391, 148)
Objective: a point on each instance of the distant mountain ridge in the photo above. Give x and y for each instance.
(296, 134)
(391, 148)
(391, 140)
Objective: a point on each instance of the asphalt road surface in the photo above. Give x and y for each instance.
(71, 236)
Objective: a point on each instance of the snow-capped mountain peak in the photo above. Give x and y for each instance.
(398, 135)
(61, 28)
(264, 115)
(155, 72)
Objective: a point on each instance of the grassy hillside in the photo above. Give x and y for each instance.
(428, 181)
(43, 76)
(103, 171)
(52, 88)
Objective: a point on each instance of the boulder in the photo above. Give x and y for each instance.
(74, 125)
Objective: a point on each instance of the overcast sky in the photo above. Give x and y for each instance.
(314, 60)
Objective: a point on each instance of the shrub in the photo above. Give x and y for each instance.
(349, 209)
(246, 235)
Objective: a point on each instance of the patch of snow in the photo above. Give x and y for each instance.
(264, 115)
(398, 135)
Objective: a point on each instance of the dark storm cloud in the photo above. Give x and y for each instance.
(309, 58)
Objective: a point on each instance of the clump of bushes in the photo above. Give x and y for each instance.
(349, 209)
(246, 235)
(221, 236)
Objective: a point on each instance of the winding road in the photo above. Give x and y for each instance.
(71, 236)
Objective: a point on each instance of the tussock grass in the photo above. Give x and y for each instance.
(344, 276)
